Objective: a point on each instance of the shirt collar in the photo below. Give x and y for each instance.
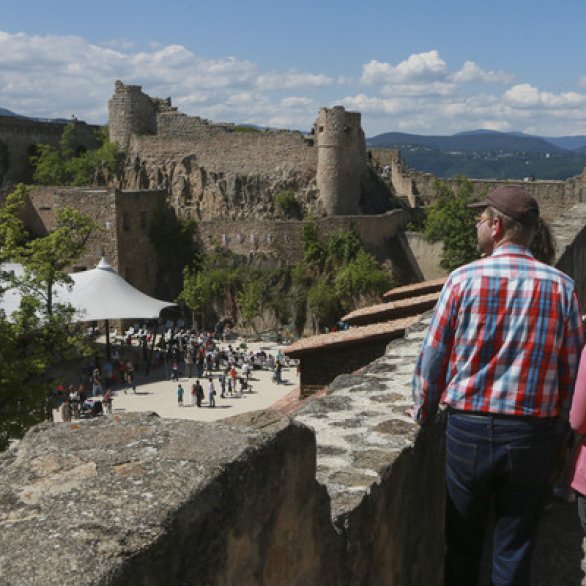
(510, 248)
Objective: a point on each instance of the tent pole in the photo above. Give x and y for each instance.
(108, 340)
(150, 358)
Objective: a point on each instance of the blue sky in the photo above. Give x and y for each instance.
(421, 66)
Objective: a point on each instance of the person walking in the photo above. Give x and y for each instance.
(211, 392)
(130, 376)
(96, 382)
(502, 353)
(179, 395)
(188, 359)
(193, 394)
(66, 410)
(199, 393)
(107, 401)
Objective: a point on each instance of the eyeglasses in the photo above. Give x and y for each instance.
(480, 220)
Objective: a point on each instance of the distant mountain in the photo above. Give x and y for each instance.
(571, 143)
(479, 141)
(5, 112)
(488, 154)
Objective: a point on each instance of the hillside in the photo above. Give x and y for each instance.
(484, 154)
(5, 112)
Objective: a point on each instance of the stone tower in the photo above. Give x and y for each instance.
(341, 160)
(130, 111)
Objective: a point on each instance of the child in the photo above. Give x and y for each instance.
(107, 400)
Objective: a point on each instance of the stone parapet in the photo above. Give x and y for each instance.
(139, 500)
(259, 500)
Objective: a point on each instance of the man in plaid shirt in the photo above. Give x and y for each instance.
(502, 353)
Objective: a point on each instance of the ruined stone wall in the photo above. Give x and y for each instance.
(554, 197)
(123, 218)
(284, 238)
(225, 174)
(22, 135)
(569, 230)
(216, 170)
(136, 259)
(98, 204)
(130, 111)
(427, 255)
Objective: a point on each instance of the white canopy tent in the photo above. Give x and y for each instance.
(96, 295)
(102, 294)
(99, 294)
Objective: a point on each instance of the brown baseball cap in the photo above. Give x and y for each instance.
(513, 201)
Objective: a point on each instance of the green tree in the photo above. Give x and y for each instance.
(41, 336)
(451, 221)
(314, 251)
(64, 165)
(196, 293)
(341, 248)
(323, 304)
(249, 300)
(360, 278)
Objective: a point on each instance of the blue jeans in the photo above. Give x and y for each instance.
(499, 461)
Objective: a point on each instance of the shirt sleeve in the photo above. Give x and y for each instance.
(429, 378)
(569, 357)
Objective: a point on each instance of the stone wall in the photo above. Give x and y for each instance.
(98, 204)
(22, 135)
(130, 112)
(214, 170)
(348, 494)
(569, 231)
(230, 175)
(137, 500)
(123, 218)
(554, 197)
(136, 259)
(427, 255)
(284, 238)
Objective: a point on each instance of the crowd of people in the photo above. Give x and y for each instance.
(186, 353)
(201, 356)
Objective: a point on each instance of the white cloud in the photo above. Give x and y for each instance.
(471, 72)
(527, 96)
(56, 76)
(420, 67)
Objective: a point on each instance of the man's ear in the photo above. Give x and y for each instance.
(497, 229)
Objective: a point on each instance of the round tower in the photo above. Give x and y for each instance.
(341, 160)
(130, 111)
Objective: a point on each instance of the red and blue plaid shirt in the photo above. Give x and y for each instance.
(505, 338)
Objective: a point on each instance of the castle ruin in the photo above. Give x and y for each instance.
(215, 171)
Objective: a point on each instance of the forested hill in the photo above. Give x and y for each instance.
(487, 154)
